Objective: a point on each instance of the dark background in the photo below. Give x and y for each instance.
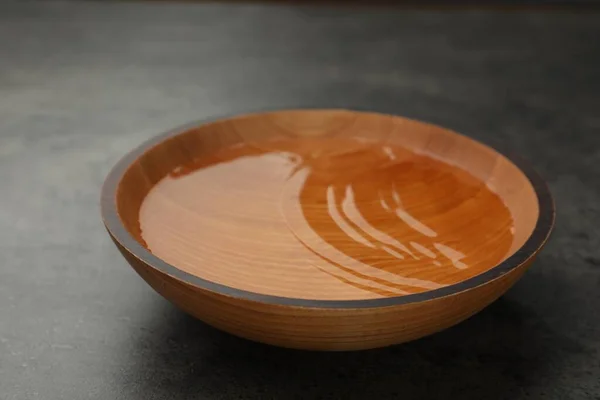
(81, 83)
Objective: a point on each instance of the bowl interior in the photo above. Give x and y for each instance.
(326, 204)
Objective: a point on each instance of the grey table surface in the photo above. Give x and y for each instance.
(81, 83)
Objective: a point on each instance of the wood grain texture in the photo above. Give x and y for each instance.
(326, 229)
(327, 218)
(324, 329)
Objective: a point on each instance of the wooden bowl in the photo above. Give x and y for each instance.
(326, 229)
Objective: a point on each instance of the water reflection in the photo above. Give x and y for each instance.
(354, 216)
(380, 219)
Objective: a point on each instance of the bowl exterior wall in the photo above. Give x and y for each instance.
(324, 329)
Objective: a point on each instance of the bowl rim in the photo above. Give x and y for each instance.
(121, 235)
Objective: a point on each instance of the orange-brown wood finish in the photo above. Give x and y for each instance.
(326, 229)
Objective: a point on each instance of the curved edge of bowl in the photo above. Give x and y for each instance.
(128, 244)
(323, 329)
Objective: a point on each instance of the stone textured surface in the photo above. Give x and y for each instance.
(81, 83)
